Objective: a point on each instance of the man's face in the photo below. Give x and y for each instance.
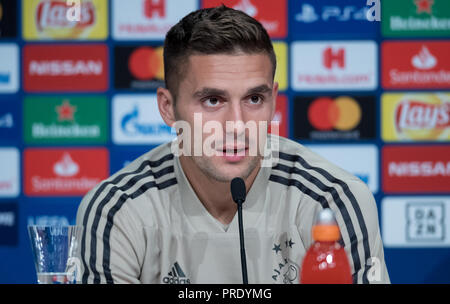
(224, 89)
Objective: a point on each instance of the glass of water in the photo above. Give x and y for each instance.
(56, 253)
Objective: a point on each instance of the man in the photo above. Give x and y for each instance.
(169, 217)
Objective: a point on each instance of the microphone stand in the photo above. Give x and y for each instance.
(238, 194)
(241, 238)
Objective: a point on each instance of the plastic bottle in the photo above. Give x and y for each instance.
(326, 261)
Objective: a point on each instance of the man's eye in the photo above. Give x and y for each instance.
(212, 102)
(255, 99)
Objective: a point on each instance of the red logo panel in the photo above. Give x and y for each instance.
(419, 64)
(281, 117)
(51, 68)
(271, 14)
(64, 172)
(416, 169)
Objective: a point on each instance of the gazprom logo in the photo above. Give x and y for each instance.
(136, 120)
(131, 125)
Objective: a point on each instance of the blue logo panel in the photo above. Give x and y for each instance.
(50, 211)
(10, 116)
(331, 18)
(8, 223)
(122, 156)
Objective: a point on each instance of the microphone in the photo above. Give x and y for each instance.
(238, 193)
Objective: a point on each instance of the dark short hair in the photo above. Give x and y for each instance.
(218, 30)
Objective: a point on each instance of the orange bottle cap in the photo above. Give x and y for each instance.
(326, 233)
(325, 228)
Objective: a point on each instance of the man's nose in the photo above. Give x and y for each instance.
(235, 111)
(235, 120)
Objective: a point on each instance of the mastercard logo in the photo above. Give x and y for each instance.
(146, 63)
(341, 113)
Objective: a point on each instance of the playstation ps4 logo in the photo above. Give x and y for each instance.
(131, 125)
(308, 13)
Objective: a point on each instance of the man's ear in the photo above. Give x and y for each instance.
(166, 106)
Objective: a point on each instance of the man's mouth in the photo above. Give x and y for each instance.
(233, 154)
(234, 150)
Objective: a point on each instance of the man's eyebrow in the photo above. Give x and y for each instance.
(209, 92)
(262, 89)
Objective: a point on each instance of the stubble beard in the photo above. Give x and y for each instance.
(210, 170)
(206, 166)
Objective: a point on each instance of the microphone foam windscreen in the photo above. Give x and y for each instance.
(238, 191)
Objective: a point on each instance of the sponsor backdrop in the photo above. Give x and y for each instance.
(366, 86)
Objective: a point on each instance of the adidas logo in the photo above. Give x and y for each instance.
(176, 276)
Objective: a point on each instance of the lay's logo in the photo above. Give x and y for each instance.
(49, 19)
(415, 116)
(53, 14)
(429, 116)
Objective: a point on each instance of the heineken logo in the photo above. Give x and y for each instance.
(65, 120)
(66, 111)
(416, 18)
(415, 24)
(424, 6)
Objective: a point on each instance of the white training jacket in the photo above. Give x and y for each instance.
(145, 224)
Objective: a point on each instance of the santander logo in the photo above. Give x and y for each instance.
(66, 167)
(271, 14)
(247, 7)
(63, 172)
(424, 60)
(416, 64)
